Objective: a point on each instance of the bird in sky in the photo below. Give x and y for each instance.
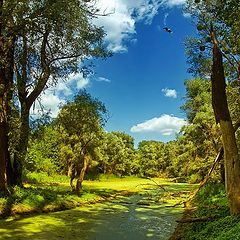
(167, 29)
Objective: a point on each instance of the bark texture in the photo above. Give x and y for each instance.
(82, 174)
(222, 115)
(6, 78)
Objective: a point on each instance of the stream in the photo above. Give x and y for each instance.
(139, 216)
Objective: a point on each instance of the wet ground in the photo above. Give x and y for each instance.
(140, 216)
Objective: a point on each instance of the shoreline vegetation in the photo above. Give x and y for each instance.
(205, 217)
(42, 193)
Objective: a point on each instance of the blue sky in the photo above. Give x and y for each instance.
(142, 85)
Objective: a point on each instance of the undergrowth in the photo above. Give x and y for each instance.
(211, 203)
(43, 193)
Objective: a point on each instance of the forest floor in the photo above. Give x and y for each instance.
(126, 208)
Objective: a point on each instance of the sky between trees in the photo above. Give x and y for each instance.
(142, 84)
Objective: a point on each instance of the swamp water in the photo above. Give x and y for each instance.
(141, 216)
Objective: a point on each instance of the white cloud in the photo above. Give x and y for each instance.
(53, 97)
(123, 15)
(165, 125)
(62, 87)
(77, 80)
(103, 79)
(172, 93)
(48, 101)
(173, 3)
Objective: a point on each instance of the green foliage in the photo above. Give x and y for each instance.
(222, 17)
(151, 158)
(211, 201)
(115, 154)
(226, 228)
(44, 150)
(213, 197)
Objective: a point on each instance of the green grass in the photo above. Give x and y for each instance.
(147, 213)
(43, 193)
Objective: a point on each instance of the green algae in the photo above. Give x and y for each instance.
(124, 217)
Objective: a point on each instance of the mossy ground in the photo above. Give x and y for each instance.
(42, 193)
(145, 212)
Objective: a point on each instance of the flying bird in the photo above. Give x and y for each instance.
(167, 29)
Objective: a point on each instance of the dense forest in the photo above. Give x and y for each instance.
(42, 41)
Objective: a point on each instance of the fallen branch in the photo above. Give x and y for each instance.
(156, 184)
(204, 181)
(217, 159)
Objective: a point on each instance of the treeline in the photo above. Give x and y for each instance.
(55, 146)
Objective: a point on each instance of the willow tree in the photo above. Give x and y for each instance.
(217, 23)
(52, 38)
(82, 121)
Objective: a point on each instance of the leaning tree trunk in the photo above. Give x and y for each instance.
(82, 174)
(222, 115)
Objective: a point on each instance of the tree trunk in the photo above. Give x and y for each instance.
(82, 174)
(6, 79)
(19, 156)
(3, 155)
(222, 115)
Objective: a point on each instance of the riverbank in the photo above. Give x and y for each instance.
(127, 208)
(42, 193)
(208, 217)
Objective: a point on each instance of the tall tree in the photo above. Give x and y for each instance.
(54, 37)
(82, 120)
(215, 21)
(7, 41)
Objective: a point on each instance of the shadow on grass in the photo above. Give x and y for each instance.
(41, 198)
(125, 217)
(122, 218)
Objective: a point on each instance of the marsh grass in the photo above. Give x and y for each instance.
(43, 193)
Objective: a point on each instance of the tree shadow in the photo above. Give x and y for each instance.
(122, 218)
(40, 197)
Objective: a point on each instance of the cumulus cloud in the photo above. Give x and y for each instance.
(123, 15)
(62, 87)
(48, 102)
(173, 3)
(165, 125)
(51, 99)
(172, 93)
(77, 80)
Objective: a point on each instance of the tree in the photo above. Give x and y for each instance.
(151, 158)
(51, 40)
(215, 21)
(82, 121)
(44, 150)
(116, 153)
(7, 41)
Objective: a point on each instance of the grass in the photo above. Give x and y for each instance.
(147, 214)
(43, 193)
(211, 202)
